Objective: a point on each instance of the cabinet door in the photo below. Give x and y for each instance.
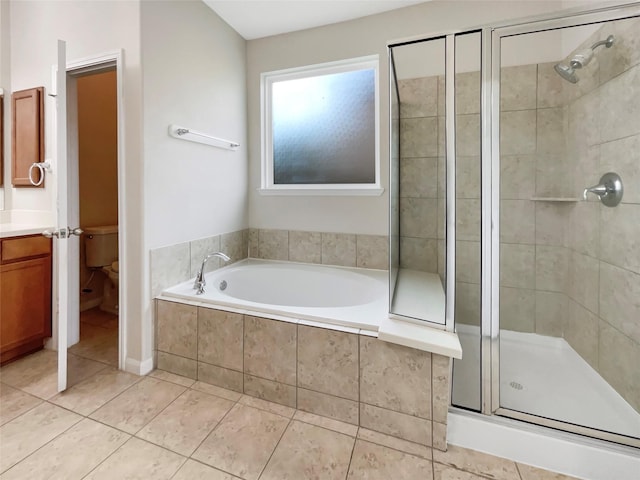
(25, 306)
(27, 146)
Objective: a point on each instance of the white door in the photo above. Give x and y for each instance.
(67, 240)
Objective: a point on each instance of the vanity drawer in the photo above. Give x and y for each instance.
(24, 247)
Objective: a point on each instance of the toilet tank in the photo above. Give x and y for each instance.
(101, 245)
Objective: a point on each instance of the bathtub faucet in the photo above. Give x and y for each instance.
(200, 281)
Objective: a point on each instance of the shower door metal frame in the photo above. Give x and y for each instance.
(490, 119)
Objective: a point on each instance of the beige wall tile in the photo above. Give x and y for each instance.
(419, 254)
(584, 227)
(552, 130)
(308, 451)
(169, 266)
(235, 245)
(178, 365)
(584, 282)
(517, 309)
(200, 249)
(305, 247)
(395, 377)
(620, 236)
(620, 299)
(586, 171)
(177, 329)
(439, 436)
(618, 361)
(273, 244)
(418, 97)
(339, 249)
(419, 217)
(220, 338)
(517, 136)
(243, 442)
(270, 349)
(269, 390)
(468, 262)
(441, 386)
(221, 377)
(254, 243)
(551, 222)
(518, 87)
(517, 221)
(467, 177)
(328, 361)
(372, 251)
(468, 219)
(550, 87)
(581, 331)
(407, 427)
(517, 177)
(552, 267)
(627, 43)
(551, 310)
(468, 135)
(619, 115)
(419, 177)
(467, 93)
(328, 406)
(418, 137)
(517, 266)
(553, 176)
(468, 303)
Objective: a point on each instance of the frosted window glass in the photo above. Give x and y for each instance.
(324, 129)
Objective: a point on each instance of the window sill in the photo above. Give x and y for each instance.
(322, 192)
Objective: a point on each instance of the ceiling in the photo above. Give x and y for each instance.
(262, 18)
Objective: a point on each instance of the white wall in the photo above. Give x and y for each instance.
(194, 76)
(365, 36)
(5, 85)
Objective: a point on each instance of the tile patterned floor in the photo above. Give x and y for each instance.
(114, 425)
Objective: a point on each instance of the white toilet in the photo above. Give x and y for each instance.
(101, 244)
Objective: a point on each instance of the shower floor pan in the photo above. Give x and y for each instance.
(543, 376)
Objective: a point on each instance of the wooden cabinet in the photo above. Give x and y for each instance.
(25, 295)
(27, 139)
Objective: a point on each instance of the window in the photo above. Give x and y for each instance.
(320, 129)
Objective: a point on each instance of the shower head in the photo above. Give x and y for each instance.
(567, 72)
(580, 60)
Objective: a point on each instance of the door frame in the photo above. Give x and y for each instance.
(94, 64)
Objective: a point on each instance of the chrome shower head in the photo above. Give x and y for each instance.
(580, 60)
(567, 72)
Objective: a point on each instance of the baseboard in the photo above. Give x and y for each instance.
(139, 368)
(560, 452)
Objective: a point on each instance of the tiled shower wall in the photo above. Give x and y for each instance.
(339, 374)
(603, 312)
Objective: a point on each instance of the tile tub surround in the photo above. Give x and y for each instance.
(340, 374)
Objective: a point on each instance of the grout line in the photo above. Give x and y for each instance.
(276, 447)
(353, 449)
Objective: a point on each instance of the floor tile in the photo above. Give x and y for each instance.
(138, 460)
(330, 423)
(183, 425)
(375, 462)
(310, 452)
(217, 391)
(25, 434)
(135, 407)
(193, 470)
(395, 443)
(477, 462)
(97, 343)
(99, 318)
(14, 403)
(243, 442)
(71, 455)
(92, 393)
(527, 472)
(268, 406)
(444, 472)
(173, 378)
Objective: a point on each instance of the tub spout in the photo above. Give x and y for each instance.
(200, 282)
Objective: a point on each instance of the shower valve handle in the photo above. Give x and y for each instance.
(609, 189)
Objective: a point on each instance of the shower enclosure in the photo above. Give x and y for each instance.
(520, 127)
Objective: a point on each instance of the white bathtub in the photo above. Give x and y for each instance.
(350, 297)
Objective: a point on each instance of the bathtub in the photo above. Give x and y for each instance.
(348, 297)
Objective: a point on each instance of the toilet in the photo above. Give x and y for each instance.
(101, 247)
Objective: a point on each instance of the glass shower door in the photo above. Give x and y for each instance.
(569, 282)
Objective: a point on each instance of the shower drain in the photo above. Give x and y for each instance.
(516, 385)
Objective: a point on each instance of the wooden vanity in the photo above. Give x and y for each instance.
(25, 295)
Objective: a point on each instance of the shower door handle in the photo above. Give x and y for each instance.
(609, 189)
